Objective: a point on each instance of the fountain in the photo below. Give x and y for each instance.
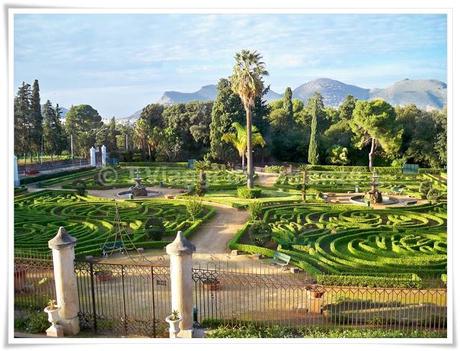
(139, 189)
(374, 196)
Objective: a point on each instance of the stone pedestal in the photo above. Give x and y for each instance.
(180, 252)
(56, 331)
(65, 280)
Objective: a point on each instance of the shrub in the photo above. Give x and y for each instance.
(256, 210)
(194, 208)
(433, 194)
(247, 193)
(154, 228)
(424, 188)
(33, 322)
(260, 232)
(385, 281)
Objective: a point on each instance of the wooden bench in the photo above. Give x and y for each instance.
(281, 259)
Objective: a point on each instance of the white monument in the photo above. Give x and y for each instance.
(92, 155)
(104, 155)
(16, 172)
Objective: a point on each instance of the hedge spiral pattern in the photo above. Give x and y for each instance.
(350, 239)
(38, 217)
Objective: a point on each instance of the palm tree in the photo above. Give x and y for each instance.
(247, 82)
(239, 139)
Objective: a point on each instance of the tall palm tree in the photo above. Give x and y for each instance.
(239, 139)
(247, 82)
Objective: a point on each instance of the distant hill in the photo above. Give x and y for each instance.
(63, 111)
(333, 91)
(426, 94)
(206, 93)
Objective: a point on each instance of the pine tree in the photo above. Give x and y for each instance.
(53, 138)
(36, 119)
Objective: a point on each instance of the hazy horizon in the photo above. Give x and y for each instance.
(120, 62)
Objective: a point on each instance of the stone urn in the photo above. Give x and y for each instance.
(53, 314)
(173, 320)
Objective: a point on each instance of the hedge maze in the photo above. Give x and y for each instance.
(39, 215)
(341, 239)
(393, 183)
(172, 175)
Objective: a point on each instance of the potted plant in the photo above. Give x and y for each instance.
(53, 311)
(211, 283)
(173, 320)
(103, 275)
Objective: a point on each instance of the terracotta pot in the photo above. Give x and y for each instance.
(103, 276)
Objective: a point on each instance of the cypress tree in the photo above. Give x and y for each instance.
(22, 120)
(313, 147)
(287, 103)
(37, 119)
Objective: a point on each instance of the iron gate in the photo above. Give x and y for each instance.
(123, 299)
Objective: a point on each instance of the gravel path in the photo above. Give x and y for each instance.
(213, 236)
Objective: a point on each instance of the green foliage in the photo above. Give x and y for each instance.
(154, 228)
(384, 281)
(255, 210)
(375, 122)
(32, 321)
(242, 329)
(317, 106)
(260, 233)
(424, 189)
(246, 193)
(338, 155)
(433, 194)
(194, 208)
(39, 215)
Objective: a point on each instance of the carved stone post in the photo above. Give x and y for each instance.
(65, 280)
(180, 252)
(92, 156)
(16, 172)
(104, 155)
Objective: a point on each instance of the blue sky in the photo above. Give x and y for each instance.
(118, 63)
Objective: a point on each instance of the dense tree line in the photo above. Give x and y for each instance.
(356, 132)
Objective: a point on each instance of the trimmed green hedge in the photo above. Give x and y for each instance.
(247, 193)
(384, 281)
(47, 176)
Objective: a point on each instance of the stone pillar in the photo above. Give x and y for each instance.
(65, 280)
(17, 183)
(180, 252)
(92, 155)
(104, 155)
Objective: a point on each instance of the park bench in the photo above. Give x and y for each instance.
(281, 259)
(115, 246)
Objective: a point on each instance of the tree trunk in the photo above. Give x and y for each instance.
(371, 154)
(249, 153)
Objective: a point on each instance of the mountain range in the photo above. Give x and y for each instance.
(426, 94)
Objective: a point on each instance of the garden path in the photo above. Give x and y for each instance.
(213, 236)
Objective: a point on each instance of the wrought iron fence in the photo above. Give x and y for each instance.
(275, 296)
(123, 299)
(134, 299)
(33, 281)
